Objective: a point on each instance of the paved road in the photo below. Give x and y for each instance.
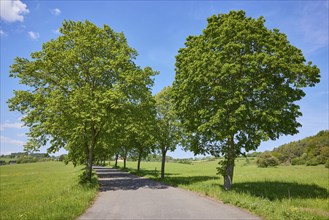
(125, 196)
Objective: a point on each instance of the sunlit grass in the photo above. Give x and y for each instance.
(45, 190)
(283, 192)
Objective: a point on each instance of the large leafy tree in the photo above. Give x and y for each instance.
(168, 132)
(236, 85)
(80, 85)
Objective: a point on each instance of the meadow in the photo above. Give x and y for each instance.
(283, 192)
(43, 190)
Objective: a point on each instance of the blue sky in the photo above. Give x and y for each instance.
(157, 30)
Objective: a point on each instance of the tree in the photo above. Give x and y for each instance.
(139, 132)
(168, 131)
(81, 83)
(236, 85)
(267, 160)
(138, 140)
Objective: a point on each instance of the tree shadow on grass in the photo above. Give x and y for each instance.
(275, 190)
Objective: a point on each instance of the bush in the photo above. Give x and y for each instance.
(267, 160)
(26, 159)
(84, 181)
(62, 157)
(184, 161)
(327, 164)
(298, 161)
(312, 162)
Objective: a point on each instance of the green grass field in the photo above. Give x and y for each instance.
(44, 190)
(284, 192)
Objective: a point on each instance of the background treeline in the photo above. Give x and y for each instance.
(24, 157)
(310, 151)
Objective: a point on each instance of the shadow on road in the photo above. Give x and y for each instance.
(113, 179)
(172, 179)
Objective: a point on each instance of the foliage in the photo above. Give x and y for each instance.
(26, 159)
(253, 154)
(47, 190)
(298, 161)
(62, 157)
(168, 132)
(264, 192)
(236, 85)
(80, 84)
(310, 151)
(158, 158)
(327, 164)
(267, 160)
(142, 128)
(86, 182)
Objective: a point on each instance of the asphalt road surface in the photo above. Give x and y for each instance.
(125, 196)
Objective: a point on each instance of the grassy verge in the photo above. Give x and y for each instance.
(45, 190)
(284, 192)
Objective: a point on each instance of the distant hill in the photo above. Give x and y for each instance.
(311, 151)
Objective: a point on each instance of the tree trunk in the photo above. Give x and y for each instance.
(229, 167)
(139, 161)
(164, 152)
(91, 154)
(124, 162)
(228, 178)
(116, 160)
(90, 160)
(86, 150)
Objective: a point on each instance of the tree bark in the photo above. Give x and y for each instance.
(86, 146)
(139, 161)
(229, 167)
(91, 153)
(228, 178)
(116, 160)
(164, 152)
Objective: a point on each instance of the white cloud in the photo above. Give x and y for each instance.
(33, 35)
(13, 10)
(2, 33)
(56, 31)
(314, 29)
(7, 140)
(21, 135)
(16, 125)
(55, 11)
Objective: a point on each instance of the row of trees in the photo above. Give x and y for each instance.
(235, 86)
(89, 97)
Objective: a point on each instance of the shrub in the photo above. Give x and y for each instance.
(267, 160)
(312, 162)
(29, 159)
(62, 157)
(298, 161)
(184, 161)
(327, 164)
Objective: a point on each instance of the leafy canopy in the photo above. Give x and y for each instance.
(80, 85)
(239, 81)
(168, 132)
